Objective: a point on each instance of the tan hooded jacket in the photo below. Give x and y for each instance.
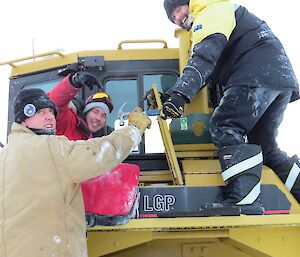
(41, 206)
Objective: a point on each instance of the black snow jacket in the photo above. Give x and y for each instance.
(252, 56)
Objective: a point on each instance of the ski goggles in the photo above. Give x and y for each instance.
(100, 97)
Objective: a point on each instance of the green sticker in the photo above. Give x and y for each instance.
(183, 123)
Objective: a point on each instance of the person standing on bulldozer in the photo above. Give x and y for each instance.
(234, 49)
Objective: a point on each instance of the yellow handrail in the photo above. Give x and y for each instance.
(11, 62)
(167, 140)
(142, 41)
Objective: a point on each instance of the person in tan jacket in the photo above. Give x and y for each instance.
(41, 205)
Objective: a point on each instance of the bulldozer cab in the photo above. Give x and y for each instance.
(178, 162)
(126, 79)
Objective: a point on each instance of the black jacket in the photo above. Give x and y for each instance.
(252, 57)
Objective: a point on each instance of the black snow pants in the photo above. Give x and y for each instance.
(253, 115)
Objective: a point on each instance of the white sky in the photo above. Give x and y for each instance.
(74, 25)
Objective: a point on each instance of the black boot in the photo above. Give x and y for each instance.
(241, 171)
(289, 172)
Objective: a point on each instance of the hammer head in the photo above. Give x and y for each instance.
(122, 114)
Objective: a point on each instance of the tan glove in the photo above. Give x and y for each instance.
(139, 119)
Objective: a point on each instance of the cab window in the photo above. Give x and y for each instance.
(45, 85)
(131, 91)
(121, 91)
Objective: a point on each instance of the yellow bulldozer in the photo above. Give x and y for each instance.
(178, 162)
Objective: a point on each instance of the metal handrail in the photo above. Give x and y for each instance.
(11, 62)
(167, 140)
(142, 41)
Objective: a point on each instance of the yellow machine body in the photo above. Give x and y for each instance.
(189, 165)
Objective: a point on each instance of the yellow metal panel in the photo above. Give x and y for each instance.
(194, 154)
(211, 248)
(203, 180)
(201, 166)
(109, 55)
(156, 176)
(184, 47)
(156, 248)
(200, 101)
(192, 234)
(266, 241)
(269, 241)
(202, 172)
(204, 223)
(195, 147)
(103, 243)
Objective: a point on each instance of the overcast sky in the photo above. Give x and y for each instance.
(97, 24)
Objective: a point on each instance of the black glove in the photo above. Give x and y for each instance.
(82, 78)
(151, 101)
(174, 106)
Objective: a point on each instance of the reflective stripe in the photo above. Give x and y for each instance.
(292, 177)
(242, 166)
(198, 72)
(252, 196)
